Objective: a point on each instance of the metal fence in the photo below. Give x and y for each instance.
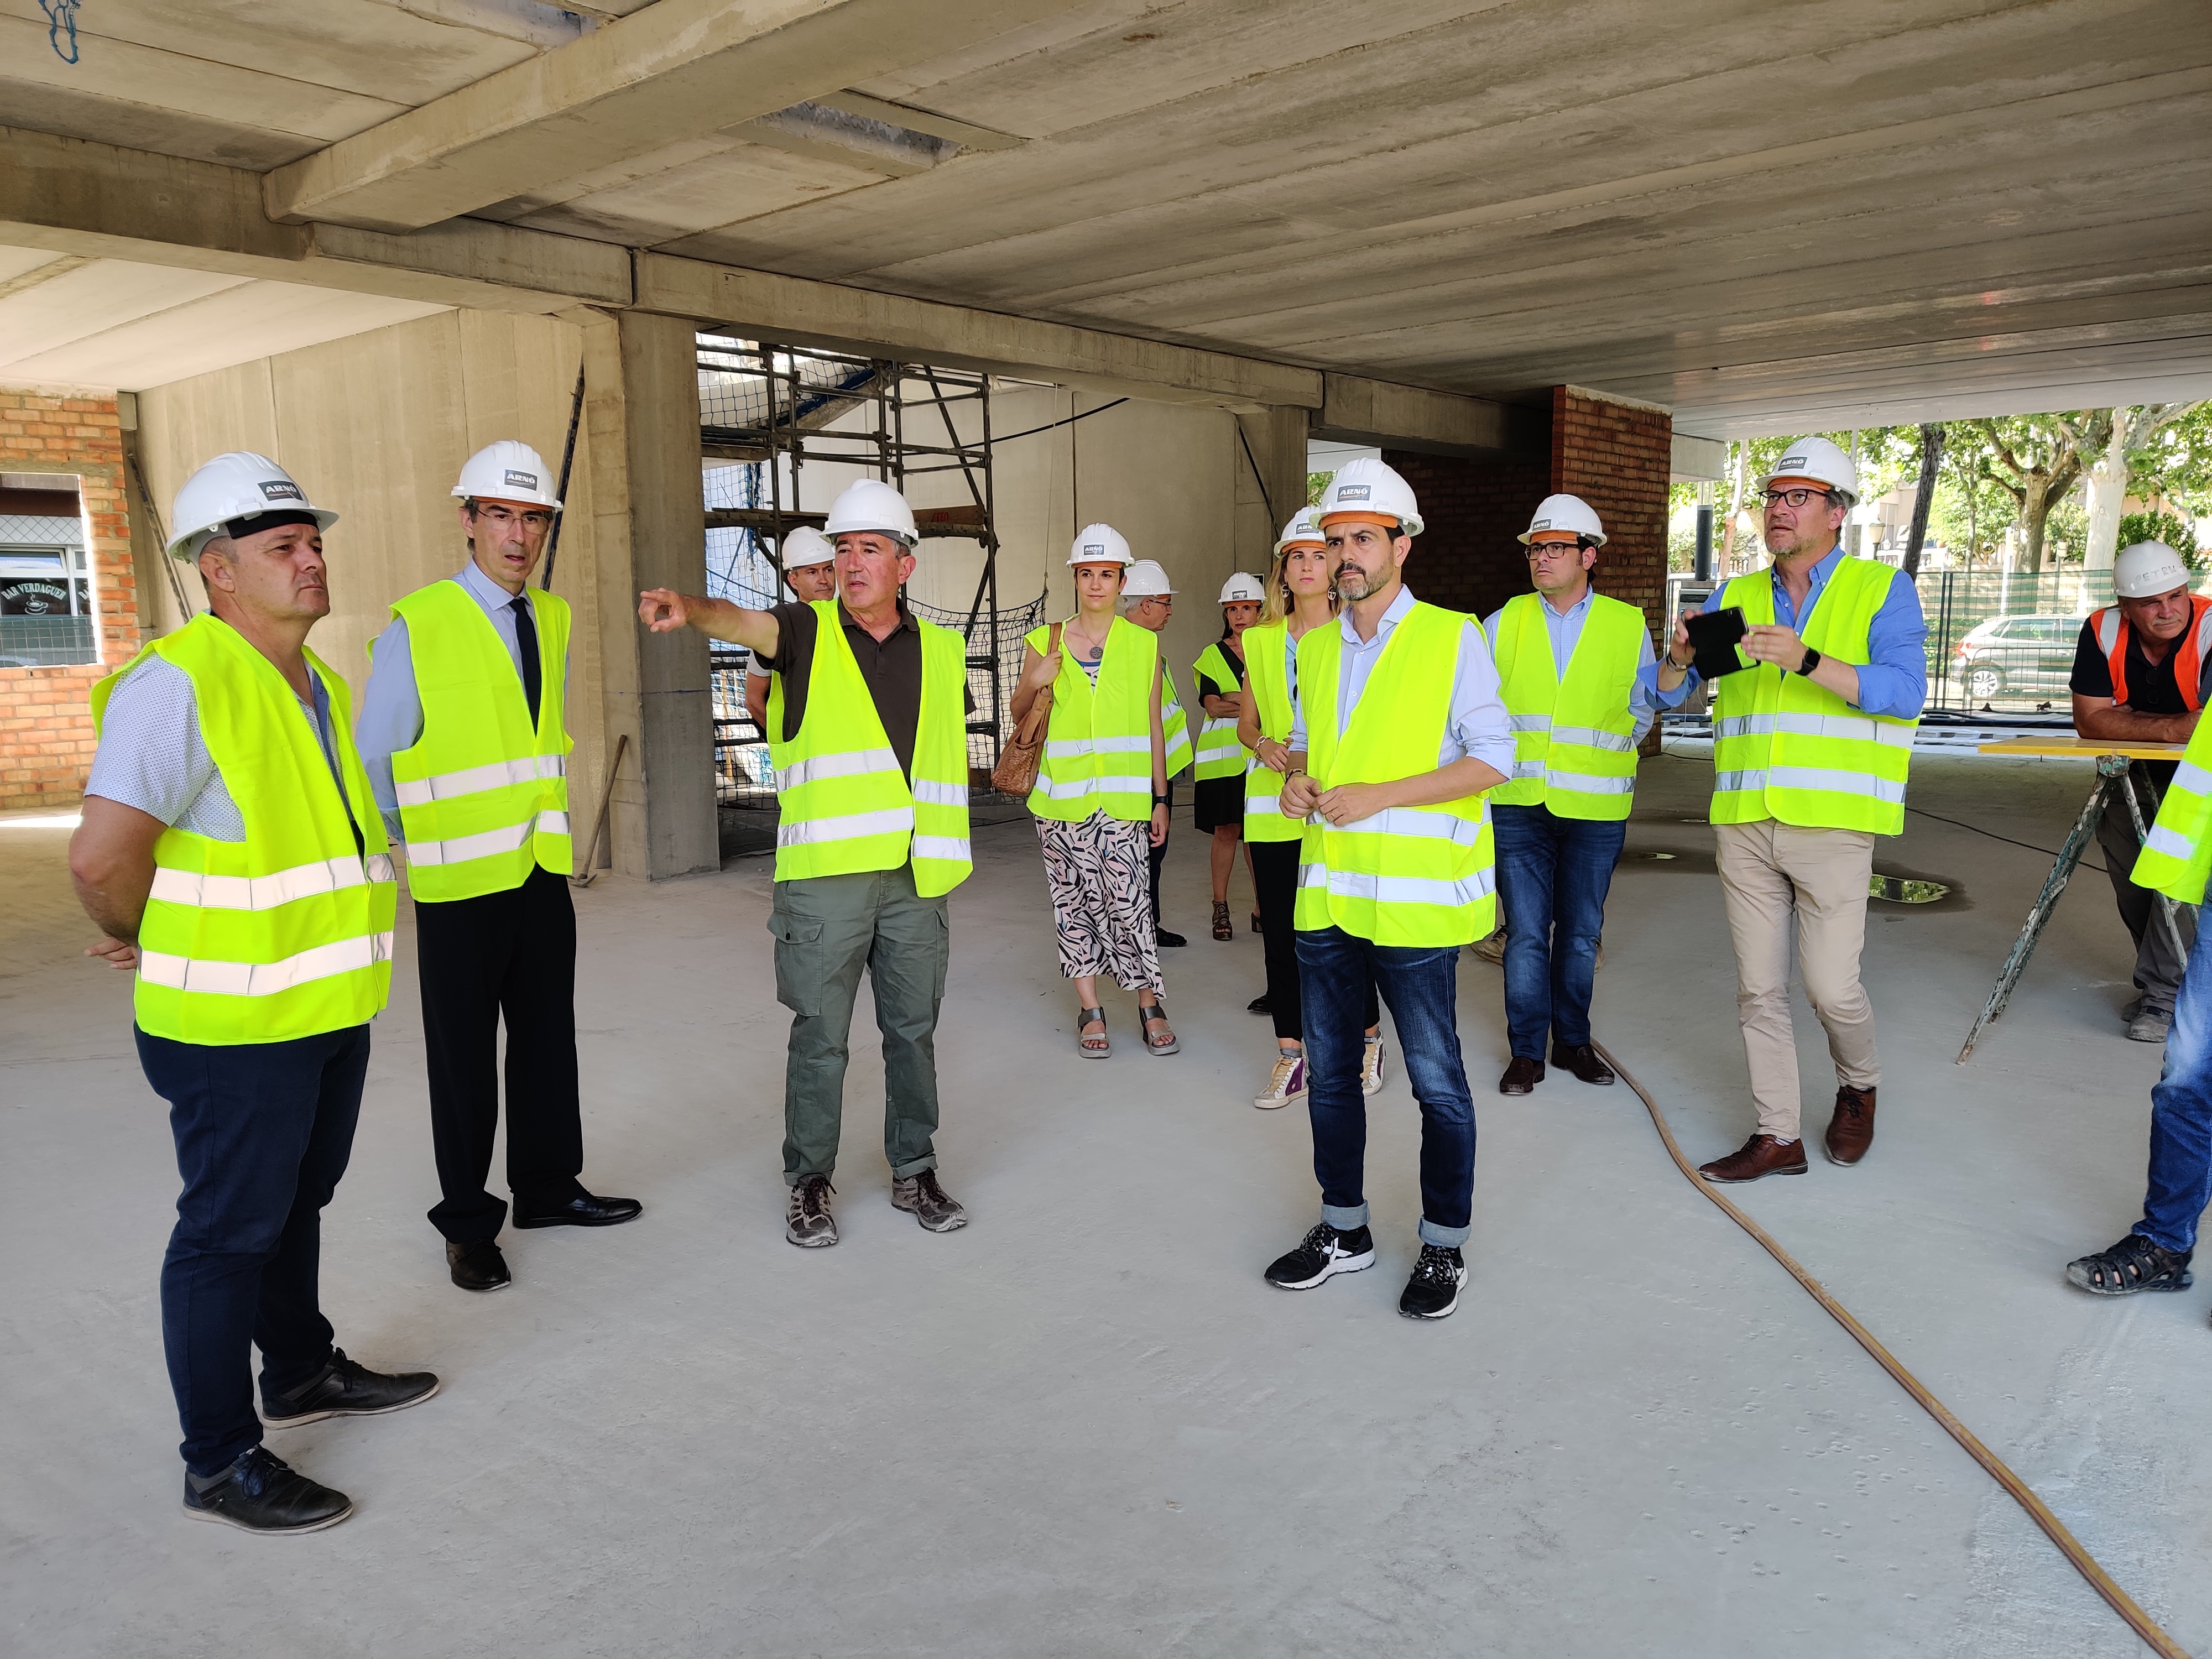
(47, 641)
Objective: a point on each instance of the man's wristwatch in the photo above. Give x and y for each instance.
(1811, 661)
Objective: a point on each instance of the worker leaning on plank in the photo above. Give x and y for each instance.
(2141, 671)
(231, 852)
(1811, 746)
(464, 734)
(867, 733)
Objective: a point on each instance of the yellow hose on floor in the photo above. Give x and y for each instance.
(2069, 1545)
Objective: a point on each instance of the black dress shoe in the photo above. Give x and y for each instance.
(584, 1211)
(1259, 1005)
(1582, 1060)
(1170, 941)
(1522, 1076)
(345, 1388)
(261, 1492)
(478, 1266)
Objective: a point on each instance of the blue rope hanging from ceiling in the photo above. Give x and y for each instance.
(61, 24)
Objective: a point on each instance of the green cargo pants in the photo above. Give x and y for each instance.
(827, 929)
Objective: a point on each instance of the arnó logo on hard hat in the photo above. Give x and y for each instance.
(282, 489)
(1540, 524)
(1353, 492)
(1099, 548)
(1789, 461)
(521, 480)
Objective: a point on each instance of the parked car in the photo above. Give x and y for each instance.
(2016, 657)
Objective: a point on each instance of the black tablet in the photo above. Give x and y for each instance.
(1713, 636)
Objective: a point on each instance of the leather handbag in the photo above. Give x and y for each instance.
(1016, 773)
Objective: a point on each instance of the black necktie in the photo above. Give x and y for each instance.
(525, 640)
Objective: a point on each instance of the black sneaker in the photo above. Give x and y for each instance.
(1325, 1251)
(807, 1222)
(1259, 1005)
(1434, 1291)
(261, 1492)
(346, 1389)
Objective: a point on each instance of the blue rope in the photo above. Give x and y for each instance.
(61, 16)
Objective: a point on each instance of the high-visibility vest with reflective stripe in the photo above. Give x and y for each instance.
(483, 792)
(1175, 724)
(1266, 676)
(846, 806)
(1787, 748)
(1099, 746)
(2177, 854)
(2193, 649)
(1219, 754)
(1407, 875)
(287, 933)
(1574, 739)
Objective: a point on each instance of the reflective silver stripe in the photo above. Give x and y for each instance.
(853, 762)
(951, 847)
(1729, 782)
(1398, 889)
(1529, 722)
(2171, 842)
(1413, 821)
(852, 826)
(487, 843)
(199, 977)
(1066, 748)
(1587, 784)
(2192, 777)
(1840, 783)
(926, 793)
(2108, 629)
(1743, 725)
(1220, 752)
(1856, 728)
(267, 892)
(475, 780)
(1591, 737)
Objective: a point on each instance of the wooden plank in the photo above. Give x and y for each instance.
(2084, 748)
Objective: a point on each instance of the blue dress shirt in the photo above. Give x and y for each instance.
(1477, 724)
(1565, 628)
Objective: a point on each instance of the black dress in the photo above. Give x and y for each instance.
(1217, 801)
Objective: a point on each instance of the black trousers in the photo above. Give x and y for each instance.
(1159, 857)
(1275, 886)
(509, 956)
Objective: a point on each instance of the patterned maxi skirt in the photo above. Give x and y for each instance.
(1100, 874)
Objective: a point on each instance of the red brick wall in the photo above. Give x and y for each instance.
(45, 719)
(1465, 557)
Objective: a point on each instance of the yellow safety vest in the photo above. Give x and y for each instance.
(1406, 875)
(1787, 748)
(846, 806)
(1574, 739)
(1175, 724)
(483, 792)
(1266, 676)
(287, 933)
(1098, 746)
(2177, 854)
(1219, 754)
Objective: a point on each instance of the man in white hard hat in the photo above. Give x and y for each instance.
(1812, 744)
(868, 735)
(230, 852)
(463, 732)
(2142, 669)
(1571, 664)
(1148, 600)
(1399, 729)
(809, 571)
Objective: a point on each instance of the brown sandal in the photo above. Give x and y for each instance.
(1223, 929)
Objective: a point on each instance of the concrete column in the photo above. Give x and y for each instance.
(1271, 481)
(641, 414)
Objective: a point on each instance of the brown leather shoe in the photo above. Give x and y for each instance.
(1850, 1131)
(1761, 1155)
(1582, 1060)
(1521, 1077)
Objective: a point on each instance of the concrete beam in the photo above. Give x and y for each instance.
(1356, 410)
(801, 312)
(672, 71)
(1697, 460)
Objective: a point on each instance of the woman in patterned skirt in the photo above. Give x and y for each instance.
(1101, 795)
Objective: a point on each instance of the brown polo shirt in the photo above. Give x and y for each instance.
(892, 667)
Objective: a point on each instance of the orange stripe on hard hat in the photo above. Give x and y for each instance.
(1357, 515)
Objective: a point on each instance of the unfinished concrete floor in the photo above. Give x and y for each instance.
(1085, 1425)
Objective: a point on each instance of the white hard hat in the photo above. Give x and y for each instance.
(1822, 462)
(1240, 586)
(2146, 569)
(508, 470)
(1366, 485)
(239, 485)
(805, 545)
(1304, 526)
(873, 504)
(1570, 513)
(1145, 579)
(1100, 544)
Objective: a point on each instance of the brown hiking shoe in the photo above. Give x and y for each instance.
(1761, 1155)
(807, 1222)
(937, 1209)
(1850, 1131)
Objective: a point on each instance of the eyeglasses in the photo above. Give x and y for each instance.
(1796, 497)
(1538, 550)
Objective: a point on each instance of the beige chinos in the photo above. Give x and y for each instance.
(1770, 872)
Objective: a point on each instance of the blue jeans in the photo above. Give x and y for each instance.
(263, 1132)
(2181, 1113)
(1421, 986)
(1553, 876)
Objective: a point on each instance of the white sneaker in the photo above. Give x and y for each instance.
(1370, 1067)
(1286, 1084)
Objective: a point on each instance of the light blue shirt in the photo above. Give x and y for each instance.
(1476, 725)
(1565, 628)
(1895, 682)
(392, 707)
